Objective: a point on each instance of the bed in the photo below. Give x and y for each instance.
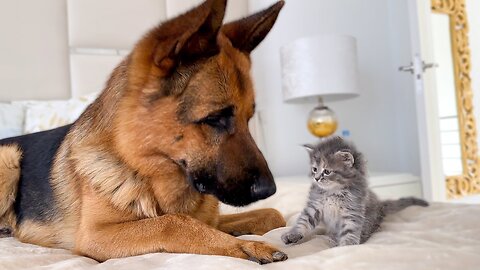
(442, 236)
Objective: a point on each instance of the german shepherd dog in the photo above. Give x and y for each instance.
(144, 167)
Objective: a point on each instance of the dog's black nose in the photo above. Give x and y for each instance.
(263, 188)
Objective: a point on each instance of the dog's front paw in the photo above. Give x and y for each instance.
(262, 253)
(292, 237)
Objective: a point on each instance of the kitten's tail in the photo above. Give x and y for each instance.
(393, 206)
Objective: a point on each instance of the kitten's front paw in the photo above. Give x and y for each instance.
(292, 237)
(348, 242)
(331, 241)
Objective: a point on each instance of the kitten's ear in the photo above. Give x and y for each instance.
(309, 148)
(345, 157)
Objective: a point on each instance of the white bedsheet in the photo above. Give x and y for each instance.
(442, 236)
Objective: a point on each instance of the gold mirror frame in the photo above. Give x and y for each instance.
(468, 183)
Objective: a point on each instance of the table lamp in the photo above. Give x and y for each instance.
(322, 68)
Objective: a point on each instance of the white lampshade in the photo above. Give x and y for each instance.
(322, 66)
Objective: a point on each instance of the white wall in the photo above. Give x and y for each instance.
(381, 120)
(33, 49)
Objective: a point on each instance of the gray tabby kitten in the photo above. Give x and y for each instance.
(340, 197)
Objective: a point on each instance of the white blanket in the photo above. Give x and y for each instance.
(442, 236)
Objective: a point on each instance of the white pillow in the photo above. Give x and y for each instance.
(11, 120)
(45, 115)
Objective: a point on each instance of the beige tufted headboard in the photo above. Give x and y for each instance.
(53, 49)
(101, 33)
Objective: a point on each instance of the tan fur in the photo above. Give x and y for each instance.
(170, 232)
(38, 233)
(105, 174)
(254, 222)
(10, 157)
(119, 187)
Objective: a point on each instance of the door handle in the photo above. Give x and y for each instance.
(411, 68)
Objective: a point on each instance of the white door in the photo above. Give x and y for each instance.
(433, 179)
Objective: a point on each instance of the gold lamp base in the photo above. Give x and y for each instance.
(322, 121)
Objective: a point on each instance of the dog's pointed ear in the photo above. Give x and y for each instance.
(189, 36)
(245, 34)
(204, 39)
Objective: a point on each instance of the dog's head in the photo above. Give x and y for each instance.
(189, 100)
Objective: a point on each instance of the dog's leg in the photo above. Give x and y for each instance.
(106, 233)
(253, 222)
(172, 233)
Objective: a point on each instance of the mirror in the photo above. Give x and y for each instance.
(455, 98)
(447, 100)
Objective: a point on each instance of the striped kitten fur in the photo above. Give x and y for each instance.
(340, 198)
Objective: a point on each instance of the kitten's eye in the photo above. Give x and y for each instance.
(314, 169)
(327, 172)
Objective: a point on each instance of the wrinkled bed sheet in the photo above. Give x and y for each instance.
(442, 236)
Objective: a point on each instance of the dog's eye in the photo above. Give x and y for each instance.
(221, 120)
(217, 121)
(327, 172)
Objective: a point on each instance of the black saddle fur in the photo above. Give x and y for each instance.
(35, 195)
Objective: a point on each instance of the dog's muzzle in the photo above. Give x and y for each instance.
(233, 191)
(263, 188)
